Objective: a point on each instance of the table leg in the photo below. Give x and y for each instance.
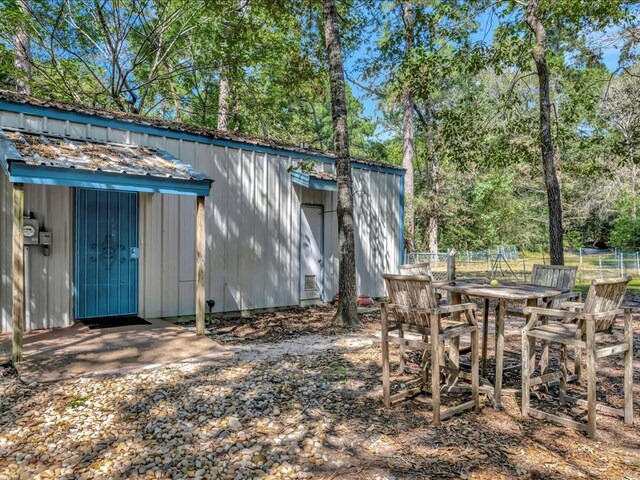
(544, 354)
(402, 350)
(454, 361)
(485, 336)
(456, 299)
(497, 392)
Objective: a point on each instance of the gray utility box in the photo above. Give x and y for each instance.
(45, 238)
(31, 231)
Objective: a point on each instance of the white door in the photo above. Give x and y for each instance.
(311, 253)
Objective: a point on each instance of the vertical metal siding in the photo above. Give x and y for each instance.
(49, 298)
(6, 276)
(377, 224)
(252, 238)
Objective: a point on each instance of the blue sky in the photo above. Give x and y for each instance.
(610, 55)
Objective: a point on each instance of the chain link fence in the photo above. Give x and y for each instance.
(507, 263)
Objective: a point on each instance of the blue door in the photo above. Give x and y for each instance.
(106, 272)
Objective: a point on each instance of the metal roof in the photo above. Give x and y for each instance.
(92, 114)
(31, 158)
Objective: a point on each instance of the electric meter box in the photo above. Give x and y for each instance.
(45, 238)
(31, 231)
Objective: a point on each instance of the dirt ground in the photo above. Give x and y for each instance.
(539, 444)
(315, 415)
(287, 324)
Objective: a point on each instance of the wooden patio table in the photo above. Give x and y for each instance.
(502, 292)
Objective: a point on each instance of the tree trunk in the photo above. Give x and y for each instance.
(634, 201)
(432, 234)
(224, 97)
(552, 184)
(22, 53)
(408, 141)
(432, 227)
(434, 182)
(347, 313)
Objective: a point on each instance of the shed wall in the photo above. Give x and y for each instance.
(252, 217)
(48, 279)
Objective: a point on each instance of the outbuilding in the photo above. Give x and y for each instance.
(120, 214)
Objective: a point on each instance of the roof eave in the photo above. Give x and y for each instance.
(20, 172)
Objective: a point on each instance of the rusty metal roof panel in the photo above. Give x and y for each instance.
(41, 150)
(323, 175)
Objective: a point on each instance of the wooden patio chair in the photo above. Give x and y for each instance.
(560, 277)
(581, 328)
(413, 307)
(423, 268)
(556, 276)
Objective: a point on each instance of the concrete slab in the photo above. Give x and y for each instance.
(77, 351)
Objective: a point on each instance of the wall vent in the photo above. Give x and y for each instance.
(310, 283)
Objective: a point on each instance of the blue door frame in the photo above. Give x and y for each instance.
(106, 253)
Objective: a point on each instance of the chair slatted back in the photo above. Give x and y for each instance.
(423, 268)
(606, 296)
(556, 276)
(411, 292)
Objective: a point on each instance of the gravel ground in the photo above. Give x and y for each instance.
(289, 414)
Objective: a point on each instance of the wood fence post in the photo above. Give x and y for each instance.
(18, 272)
(451, 265)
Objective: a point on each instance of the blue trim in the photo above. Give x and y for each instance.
(304, 180)
(8, 152)
(43, 175)
(137, 126)
(378, 168)
(401, 228)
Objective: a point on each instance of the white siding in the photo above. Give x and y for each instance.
(5, 252)
(48, 278)
(377, 227)
(252, 216)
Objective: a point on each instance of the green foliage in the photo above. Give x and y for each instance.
(302, 166)
(477, 163)
(625, 233)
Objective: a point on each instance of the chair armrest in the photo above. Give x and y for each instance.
(404, 308)
(569, 296)
(576, 305)
(461, 307)
(599, 315)
(550, 312)
(535, 312)
(442, 310)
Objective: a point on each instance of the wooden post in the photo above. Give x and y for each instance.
(451, 275)
(451, 265)
(499, 353)
(200, 258)
(485, 336)
(18, 271)
(591, 378)
(628, 367)
(386, 388)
